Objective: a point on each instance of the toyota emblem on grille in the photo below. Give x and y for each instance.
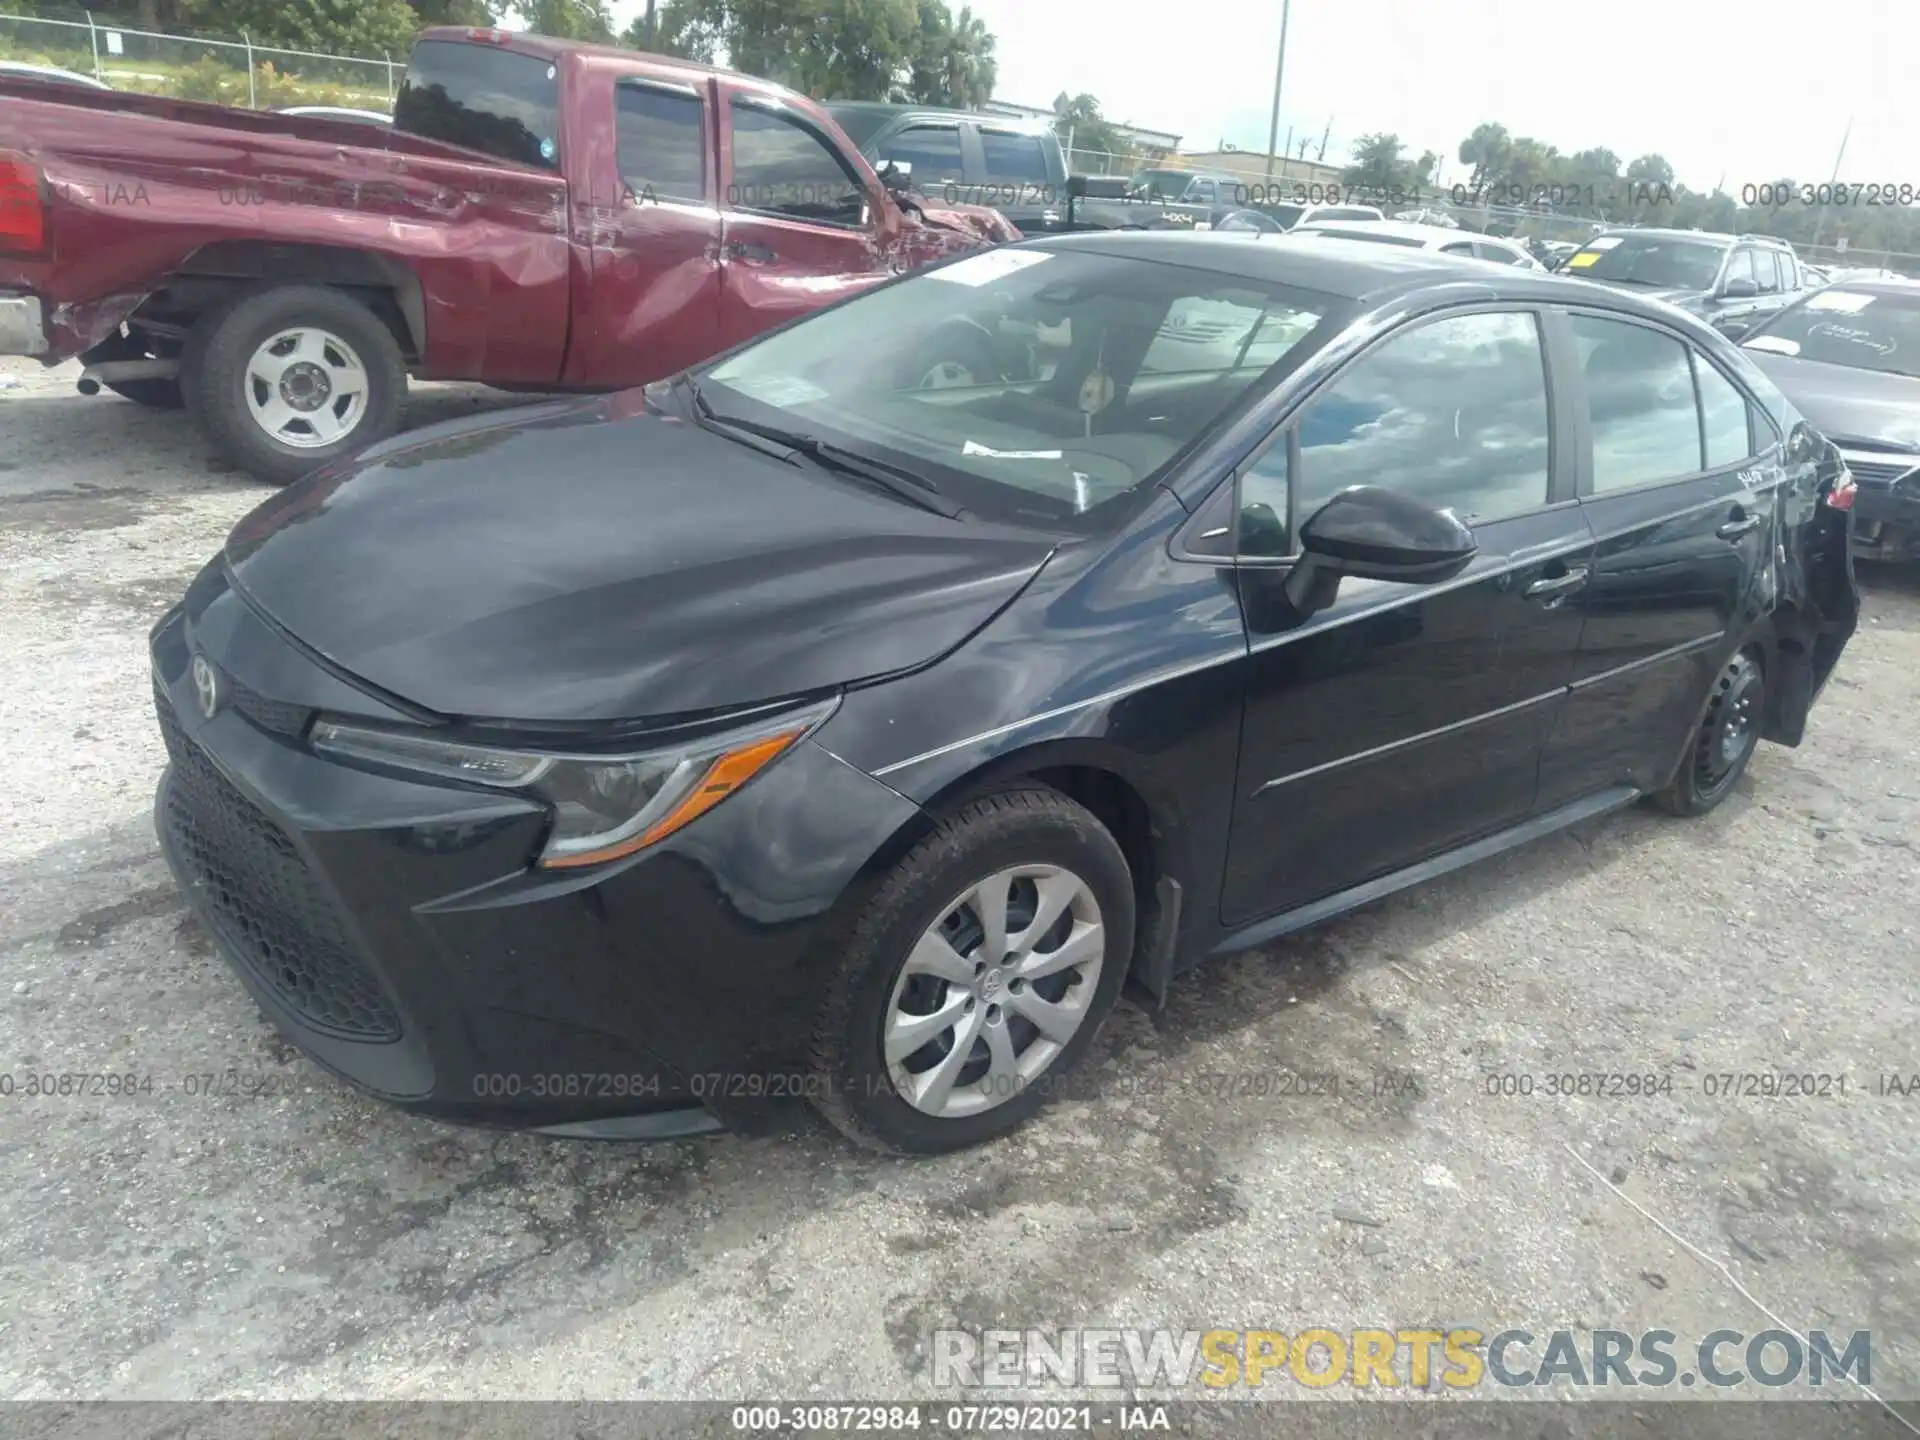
(206, 684)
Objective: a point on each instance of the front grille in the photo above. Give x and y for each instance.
(276, 717)
(265, 900)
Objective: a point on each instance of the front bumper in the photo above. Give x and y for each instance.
(396, 931)
(23, 328)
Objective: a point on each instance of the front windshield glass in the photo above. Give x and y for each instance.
(1857, 328)
(1662, 261)
(1030, 385)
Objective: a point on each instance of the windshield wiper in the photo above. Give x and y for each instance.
(916, 489)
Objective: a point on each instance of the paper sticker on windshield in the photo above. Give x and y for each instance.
(988, 266)
(780, 390)
(1583, 260)
(974, 447)
(1605, 242)
(1847, 302)
(1774, 344)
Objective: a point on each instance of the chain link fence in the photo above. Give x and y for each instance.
(231, 71)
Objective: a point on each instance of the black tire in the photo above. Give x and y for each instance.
(155, 394)
(1724, 738)
(214, 380)
(1027, 825)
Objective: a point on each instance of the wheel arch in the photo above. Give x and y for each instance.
(222, 269)
(1111, 783)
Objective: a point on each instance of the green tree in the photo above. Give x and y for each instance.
(1650, 170)
(1079, 116)
(831, 49)
(568, 19)
(451, 12)
(952, 61)
(1380, 164)
(334, 27)
(1487, 150)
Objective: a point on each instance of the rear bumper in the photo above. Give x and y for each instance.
(23, 328)
(1886, 521)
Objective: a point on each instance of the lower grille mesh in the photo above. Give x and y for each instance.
(265, 899)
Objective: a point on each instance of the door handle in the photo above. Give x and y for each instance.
(752, 254)
(1734, 529)
(1558, 585)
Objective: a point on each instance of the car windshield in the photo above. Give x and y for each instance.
(1661, 261)
(1030, 386)
(1857, 328)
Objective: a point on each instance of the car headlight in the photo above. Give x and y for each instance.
(604, 806)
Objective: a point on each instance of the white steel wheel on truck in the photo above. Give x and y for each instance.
(285, 380)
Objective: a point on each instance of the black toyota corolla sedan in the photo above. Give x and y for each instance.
(825, 724)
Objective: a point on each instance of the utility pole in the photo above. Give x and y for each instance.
(652, 31)
(1279, 71)
(1820, 222)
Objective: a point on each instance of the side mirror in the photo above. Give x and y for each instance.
(1371, 533)
(897, 175)
(1740, 289)
(1734, 328)
(1076, 187)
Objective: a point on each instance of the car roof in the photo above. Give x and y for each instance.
(1717, 236)
(1405, 229)
(889, 110)
(51, 72)
(1359, 270)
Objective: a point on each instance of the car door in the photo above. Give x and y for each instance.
(1023, 177)
(1722, 308)
(1404, 720)
(653, 235)
(1679, 498)
(800, 225)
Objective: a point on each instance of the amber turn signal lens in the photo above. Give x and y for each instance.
(724, 776)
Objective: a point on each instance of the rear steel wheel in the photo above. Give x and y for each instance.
(1724, 738)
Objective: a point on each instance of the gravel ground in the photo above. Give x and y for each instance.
(307, 1243)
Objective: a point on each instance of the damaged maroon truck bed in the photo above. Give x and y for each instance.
(541, 215)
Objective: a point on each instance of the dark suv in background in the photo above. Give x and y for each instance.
(1733, 282)
(1016, 166)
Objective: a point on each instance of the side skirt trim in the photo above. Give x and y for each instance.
(1498, 843)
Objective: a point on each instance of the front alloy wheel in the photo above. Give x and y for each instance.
(994, 991)
(975, 976)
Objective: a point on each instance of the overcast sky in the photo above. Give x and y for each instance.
(1748, 89)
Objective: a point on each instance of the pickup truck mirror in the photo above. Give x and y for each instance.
(897, 175)
(1076, 187)
(1739, 289)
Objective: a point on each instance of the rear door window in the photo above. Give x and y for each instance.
(1640, 396)
(660, 138)
(482, 98)
(1017, 158)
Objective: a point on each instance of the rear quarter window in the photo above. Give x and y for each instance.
(482, 98)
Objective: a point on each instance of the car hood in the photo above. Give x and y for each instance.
(1681, 295)
(1844, 403)
(600, 560)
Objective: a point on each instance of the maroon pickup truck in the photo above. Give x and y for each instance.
(541, 215)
